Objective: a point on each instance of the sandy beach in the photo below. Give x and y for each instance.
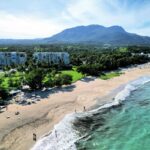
(16, 131)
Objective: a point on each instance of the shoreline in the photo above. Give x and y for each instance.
(17, 131)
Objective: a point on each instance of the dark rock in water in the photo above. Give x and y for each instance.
(95, 114)
(80, 148)
(104, 129)
(89, 138)
(98, 122)
(144, 102)
(83, 148)
(88, 123)
(117, 106)
(84, 122)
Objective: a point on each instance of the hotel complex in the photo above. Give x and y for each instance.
(12, 58)
(52, 57)
(18, 58)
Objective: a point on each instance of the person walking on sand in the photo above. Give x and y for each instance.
(55, 133)
(6, 107)
(84, 109)
(34, 137)
(56, 136)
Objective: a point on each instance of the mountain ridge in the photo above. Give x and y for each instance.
(114, 35)
(90, 34)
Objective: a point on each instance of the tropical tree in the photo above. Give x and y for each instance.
(34, 78)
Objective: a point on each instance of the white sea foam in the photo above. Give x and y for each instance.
(63, 136)
(122, 95)
(131, 87)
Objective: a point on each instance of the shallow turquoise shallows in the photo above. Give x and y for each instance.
(124, 128)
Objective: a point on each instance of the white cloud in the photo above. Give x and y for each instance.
(76, 12)
(26, 26)
(107, 13)
(81, 11)
(88, 12)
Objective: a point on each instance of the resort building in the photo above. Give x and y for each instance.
(12, 58)
(52, 57)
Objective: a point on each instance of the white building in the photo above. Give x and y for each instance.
(12, 58)
(52, 57)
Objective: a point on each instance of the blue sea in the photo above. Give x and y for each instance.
(123, 124)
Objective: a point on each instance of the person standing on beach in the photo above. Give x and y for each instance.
(34, 137)
(6, 107)
(55, 133)
(56, 136)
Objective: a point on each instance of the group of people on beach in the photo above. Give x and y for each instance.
(84, 109)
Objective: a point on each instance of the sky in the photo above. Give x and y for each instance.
(27, 19)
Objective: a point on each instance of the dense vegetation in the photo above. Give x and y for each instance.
(34, 78)
(85, 60)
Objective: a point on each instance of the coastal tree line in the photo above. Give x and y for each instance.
(88, 60)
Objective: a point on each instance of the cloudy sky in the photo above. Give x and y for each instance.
(43, 18)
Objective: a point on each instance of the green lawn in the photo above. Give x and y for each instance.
(123, 49)
(110, 75)
(75, 75)
(11, 80)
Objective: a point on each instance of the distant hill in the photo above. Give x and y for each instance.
(114, 35)
(92, 34)
(21, 41)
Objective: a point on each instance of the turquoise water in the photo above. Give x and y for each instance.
(126, 127)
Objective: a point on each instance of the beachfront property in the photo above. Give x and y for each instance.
(52, 57)
(12, 58)
(141, 54)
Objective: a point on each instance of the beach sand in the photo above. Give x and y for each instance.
(16, 131)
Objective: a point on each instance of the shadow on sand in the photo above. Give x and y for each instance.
(88, 79)
(41, 94)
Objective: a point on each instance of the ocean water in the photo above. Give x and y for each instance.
(123, 124)
(126, 127)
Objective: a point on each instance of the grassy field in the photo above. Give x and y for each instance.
(110, 75)
(11, 81)
(75, 75)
